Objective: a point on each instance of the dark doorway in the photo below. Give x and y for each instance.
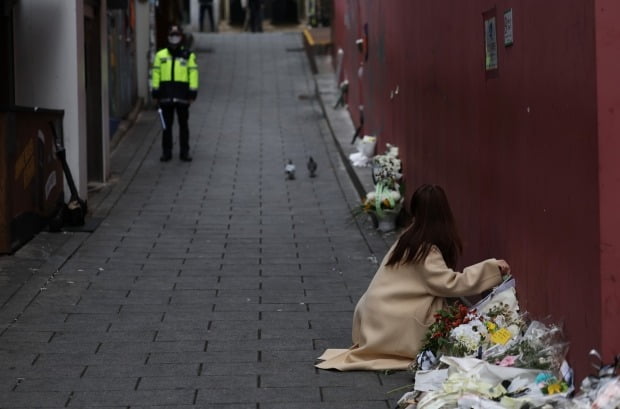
(92, 74)
(284, 12)
(237, 13)
(7, 92)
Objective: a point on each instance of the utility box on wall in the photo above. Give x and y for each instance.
(31, 176)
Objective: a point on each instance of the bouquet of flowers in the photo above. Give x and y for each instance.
(382, 199)
(489, 356)
(386, 168)
(461, 332)
(386, 174)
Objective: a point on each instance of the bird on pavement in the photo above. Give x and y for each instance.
(289, 169)
(312, 167)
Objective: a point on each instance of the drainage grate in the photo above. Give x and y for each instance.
(295, 50)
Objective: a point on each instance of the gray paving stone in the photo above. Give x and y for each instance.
(174, 335)
(49, 347)
(359, 392)
(249, 395)
(214, 406)
(66, 384)
(353, 404)
(108, 358)
(130, 398)
(15, 336)
(58, 327)
(333, 307)
(102, 336)
(219, 307)
(267, 333)
(46, 371)
(201, 356)
(264, 345)
(33, 399)
(123, 316)
(198, 382)
(99, 371)
(292, 357)
(319, 379)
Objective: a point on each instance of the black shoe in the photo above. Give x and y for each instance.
(186, 158)
(165, 157)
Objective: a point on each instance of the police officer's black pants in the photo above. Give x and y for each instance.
(256, 16)
(206, 8)
(182, 111)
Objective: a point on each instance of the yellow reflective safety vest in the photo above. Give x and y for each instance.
(174, 76)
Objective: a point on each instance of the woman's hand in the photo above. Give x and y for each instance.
(504, 268)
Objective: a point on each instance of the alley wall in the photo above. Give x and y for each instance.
(511, 133)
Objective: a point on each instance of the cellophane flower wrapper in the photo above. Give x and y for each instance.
(510, 386)
(548, 347)
(608, 394)
(540, 347)
(604, 395)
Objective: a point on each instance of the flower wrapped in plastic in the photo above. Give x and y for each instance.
(387, 195)
(382, 199)
(488, 328)
(540, 347)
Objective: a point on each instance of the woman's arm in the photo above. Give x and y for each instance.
(441, 281)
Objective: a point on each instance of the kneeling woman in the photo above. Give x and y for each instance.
(412, 283)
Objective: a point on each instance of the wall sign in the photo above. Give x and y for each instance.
(508, 35)
(490, 43)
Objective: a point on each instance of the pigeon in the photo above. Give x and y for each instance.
(289, 169)
(311, 167)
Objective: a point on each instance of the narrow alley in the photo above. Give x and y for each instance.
(211, 284)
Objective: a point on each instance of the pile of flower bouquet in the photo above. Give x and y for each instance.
(491, 356)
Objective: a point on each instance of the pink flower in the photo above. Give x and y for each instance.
(508, 360)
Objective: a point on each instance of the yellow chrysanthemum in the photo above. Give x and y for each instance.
(554, 388)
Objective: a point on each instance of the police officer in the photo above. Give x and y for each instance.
(174, 84)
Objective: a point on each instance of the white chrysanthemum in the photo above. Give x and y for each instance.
(466, 336)
(370, 196)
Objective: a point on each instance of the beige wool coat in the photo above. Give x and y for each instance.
(391, 318)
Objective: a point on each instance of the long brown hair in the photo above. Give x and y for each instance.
(433, 224)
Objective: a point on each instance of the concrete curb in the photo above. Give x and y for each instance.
(340, 124)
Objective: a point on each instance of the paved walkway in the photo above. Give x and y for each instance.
(211, 284)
